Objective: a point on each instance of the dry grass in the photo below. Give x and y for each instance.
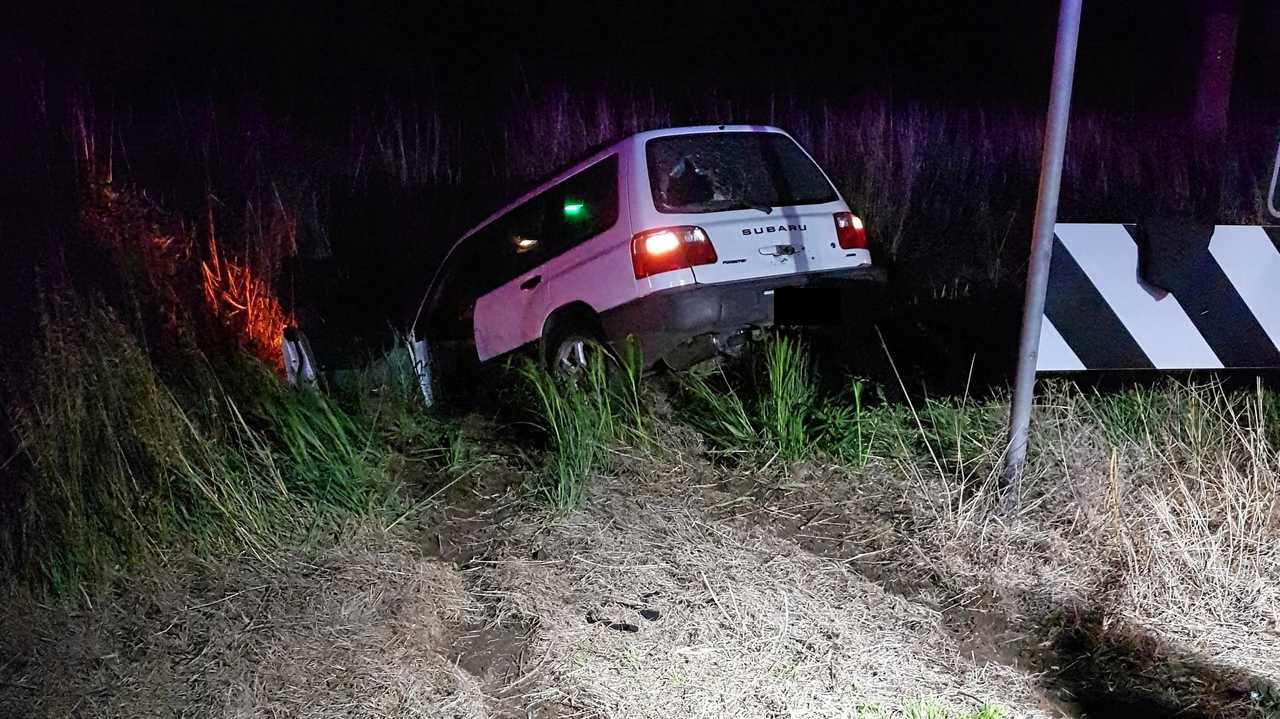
(1163, 518)
(748, 623)
(1195, 526)
(362, 629)
(691, 589)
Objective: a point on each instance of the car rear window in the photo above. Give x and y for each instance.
(714, 172)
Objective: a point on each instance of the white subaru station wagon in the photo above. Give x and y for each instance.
(680, 238)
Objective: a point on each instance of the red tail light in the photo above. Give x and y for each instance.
(849, 231)
(670, 248)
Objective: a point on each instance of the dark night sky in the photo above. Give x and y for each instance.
(303, 58)
(311, 67)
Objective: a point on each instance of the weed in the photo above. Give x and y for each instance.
(1130, 415)
(119, 468)
(717, 411)
(576, 413)
(785, 411)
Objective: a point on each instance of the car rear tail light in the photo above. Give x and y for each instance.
(849, 231)
(670, 248)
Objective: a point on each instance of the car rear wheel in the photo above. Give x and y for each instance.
(571, 353)
(569, 347)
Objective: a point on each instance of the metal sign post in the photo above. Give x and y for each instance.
(1055, 140)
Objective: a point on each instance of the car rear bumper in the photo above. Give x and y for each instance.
(696, 321)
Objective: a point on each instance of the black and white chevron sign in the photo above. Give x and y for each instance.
(1162, 295)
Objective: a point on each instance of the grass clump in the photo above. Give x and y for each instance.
(786, 409)
(124, 465)
(628, 397)
(327, 454)
(119, 469)
(577, 415)
(776, 409)
(779, 409)
(583, 414)
(716, 410)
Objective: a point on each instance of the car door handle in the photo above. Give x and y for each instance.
(531, 282)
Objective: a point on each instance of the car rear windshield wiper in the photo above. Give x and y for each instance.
(766, 209)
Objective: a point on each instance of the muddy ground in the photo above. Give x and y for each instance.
(684, 588)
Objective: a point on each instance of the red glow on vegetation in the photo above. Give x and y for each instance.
(234, 292)
(244, 305)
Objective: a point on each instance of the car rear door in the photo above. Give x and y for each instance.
(752, 244)
(510, 315)
(766, 206)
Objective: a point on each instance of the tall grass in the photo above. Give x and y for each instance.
(786, 409)
(946, 190)
(577, 414)
(120, 470)
(123, 466)
(775, 407)
(584, 415)
(1154, 507)
(327, 454)
(126, 466)
(630, 404)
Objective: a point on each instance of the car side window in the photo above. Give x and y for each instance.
(520, 239)
(450, 311)
(555, 221)
(585, 205)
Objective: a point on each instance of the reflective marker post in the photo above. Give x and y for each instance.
(1055, 140)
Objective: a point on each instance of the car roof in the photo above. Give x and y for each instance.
(601, 153)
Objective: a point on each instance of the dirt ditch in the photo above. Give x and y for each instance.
(698, 591)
